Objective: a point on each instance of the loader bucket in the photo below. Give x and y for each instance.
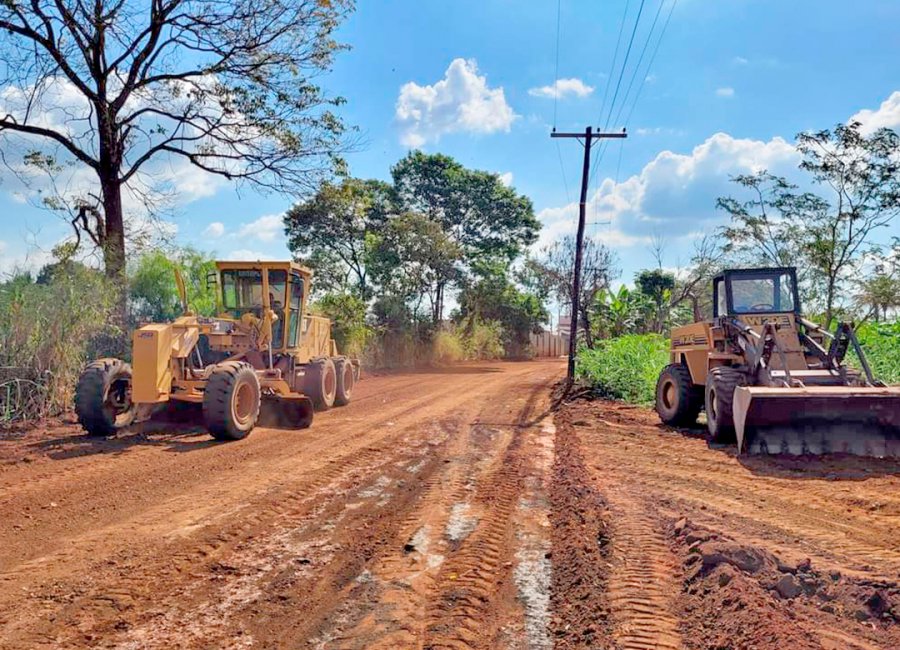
(286, 412)
(818, 420)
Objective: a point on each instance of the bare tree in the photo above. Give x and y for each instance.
(599, 269)
(123, 87)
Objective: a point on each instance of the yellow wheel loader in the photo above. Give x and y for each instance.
(263, 359)
(772, 381)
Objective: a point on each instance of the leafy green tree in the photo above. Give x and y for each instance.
(334, 231)
(415, 259)
(483, 217)
(616, 313)
(492, 297)
(154, 293)
(228, 87)
(658, 286)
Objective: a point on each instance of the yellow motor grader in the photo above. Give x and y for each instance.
(772, 381)
(263, 358)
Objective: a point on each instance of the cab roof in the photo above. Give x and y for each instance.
(264, 265)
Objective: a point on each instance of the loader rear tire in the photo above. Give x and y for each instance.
(320, 383)
(103, 397)
(720, 385)
(346, 380)
(678, 400)
(231, 400)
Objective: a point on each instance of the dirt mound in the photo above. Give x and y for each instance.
(580, 548)
(738, 595)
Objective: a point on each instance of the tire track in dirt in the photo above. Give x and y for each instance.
(461, 612)
(394, 611)
(772, 553)
(104, 601)
(643, 576)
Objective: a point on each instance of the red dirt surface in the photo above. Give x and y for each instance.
(711, 551)
(442, 509)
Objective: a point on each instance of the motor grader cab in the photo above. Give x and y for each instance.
(263, 358)
(772, 381)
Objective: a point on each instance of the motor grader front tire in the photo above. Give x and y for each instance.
(231, 401)
(720, 385)
(346, 380)
(678, 400)
(103, 397)
(320, 383)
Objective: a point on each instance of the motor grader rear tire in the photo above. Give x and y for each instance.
(720, 385)
(320, 383)
(231, 401)
(678, 400)
(346, 380)
(103, 397)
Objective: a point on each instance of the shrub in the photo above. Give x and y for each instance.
(483, 340)
(47, 333)
(881, 343)
(625, 367)
(446, 347)
(348, 321)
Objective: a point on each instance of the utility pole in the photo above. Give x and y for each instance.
(589, 136)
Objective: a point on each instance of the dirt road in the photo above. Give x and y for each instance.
(415, 516)
(442, 509)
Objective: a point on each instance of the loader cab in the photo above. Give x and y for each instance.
(252, 287)
(744, 293)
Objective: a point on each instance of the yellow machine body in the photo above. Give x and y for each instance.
(789, 390)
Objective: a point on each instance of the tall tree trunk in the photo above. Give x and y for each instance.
(114, 234)
(829, 303)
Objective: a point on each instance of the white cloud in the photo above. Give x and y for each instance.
(726, 91)
(267, 228)
(563, 88)
(214, 230)
(673, 194)
(739, 60)
(461, 102)
(507, 178)
(885, 116)
(3, 245)
(245, 255)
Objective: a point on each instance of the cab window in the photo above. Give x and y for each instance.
(762, 293)
(242, 290)
(277, 296)
(296, 303)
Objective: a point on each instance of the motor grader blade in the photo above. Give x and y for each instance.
(286, 412)
(862, 421)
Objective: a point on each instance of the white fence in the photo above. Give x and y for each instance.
(547, 344)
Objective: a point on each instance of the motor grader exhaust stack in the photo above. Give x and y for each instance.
(772, 381)
(262, 360)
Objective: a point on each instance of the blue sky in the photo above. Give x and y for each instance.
(733, 82)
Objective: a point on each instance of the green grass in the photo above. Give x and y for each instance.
(881, 343)
(625, 367)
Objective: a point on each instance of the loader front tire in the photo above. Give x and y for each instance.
(103, 397)
(720, 385)
(678, 401)
(346, 380)
(320, 383)
(231, 400)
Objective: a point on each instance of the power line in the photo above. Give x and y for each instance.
(624, 64)
(652, 59)
(637, 96)
(637, 65)
(612, 65)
